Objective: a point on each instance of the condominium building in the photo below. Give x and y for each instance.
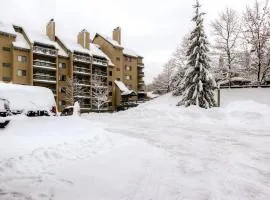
(128, 65)
(81, 70)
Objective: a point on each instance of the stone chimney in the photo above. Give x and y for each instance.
(117, 34)
(50, 29)
(84, 39)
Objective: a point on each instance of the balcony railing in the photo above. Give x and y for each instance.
(141, 74)
(44, 65)
(80, 94)
(81, 58)
(39, 77)
(44, 51)
(82, 82)
(141, 82)
(99, 73)
(85, 106)
(82, 70)
(100, 62)
(140, 65)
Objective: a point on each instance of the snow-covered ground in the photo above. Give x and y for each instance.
(155, 151)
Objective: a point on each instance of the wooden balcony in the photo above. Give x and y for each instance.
(101, 62)
(45, 51)
(80, 58)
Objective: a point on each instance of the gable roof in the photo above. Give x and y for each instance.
(38, 37)
(21, 42)
(96, 51)
(73, 46)
(111, 41)
(7, 28)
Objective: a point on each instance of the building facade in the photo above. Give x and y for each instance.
(81, 70)
(128, 65)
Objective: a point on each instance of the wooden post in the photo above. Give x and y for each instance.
(218, 97)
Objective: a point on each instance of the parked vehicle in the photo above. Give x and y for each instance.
(68, 111)
(29, 100)
(71, 110)
(4, 113)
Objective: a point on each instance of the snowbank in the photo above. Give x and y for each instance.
(154, 151)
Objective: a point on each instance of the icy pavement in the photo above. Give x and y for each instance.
(155, 151)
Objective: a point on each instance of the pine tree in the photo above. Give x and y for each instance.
(198, 83)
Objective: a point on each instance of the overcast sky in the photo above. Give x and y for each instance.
(153, 28)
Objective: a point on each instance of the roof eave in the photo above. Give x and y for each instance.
(118, 47)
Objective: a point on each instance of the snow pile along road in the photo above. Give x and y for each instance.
(155, 151)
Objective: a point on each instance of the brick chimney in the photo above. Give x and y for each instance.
(84, 39)
(50, 29)
(117, 34)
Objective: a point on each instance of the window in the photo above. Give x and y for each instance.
(110, 83)
(117, 58)
(6, 79)
(118, 69)
(128, 77)
(62, 78)
(118, 79)
(128, 68)
(22, 59)
(110, 94)
(130, 87)
(6, 49)
(110, 104)
(110, 73)
(21, 72)
(6, 65)
(62, 65)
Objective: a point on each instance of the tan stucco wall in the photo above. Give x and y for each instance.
(17, 65)
(6, 57)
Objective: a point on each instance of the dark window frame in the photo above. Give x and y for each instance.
(7, 49)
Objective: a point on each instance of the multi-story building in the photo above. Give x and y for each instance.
(79, 70)
(128, 64)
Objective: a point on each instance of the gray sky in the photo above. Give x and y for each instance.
(153, 28)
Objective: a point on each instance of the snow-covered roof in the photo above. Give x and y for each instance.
(95, 50)
(7, 28)
(38, 37)
(130, 52)
(110, 40)
(74, 46)
(123, 88)
(20, 41)
(61, 51)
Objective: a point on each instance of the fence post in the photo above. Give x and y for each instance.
(218, 97)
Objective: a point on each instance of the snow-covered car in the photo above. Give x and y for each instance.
(29, 100)
(4, 113)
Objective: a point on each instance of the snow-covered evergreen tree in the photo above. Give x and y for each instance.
(198, 83)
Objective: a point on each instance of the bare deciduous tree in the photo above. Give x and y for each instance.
(257, 34)
(99, 91)
(71, 90)
(227, 31)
